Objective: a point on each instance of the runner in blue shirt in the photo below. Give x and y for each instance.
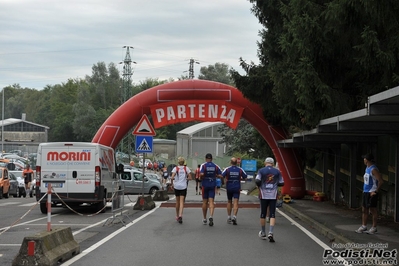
(233, 176)
(372, 185)
(268, 180)
(208, 174)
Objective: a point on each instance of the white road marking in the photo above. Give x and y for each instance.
(9, 203)
(309, 234)
(27, 222)
(104, 240)
(28, 204)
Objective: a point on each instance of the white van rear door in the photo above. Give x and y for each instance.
(54, 168)
(70, 169)
(81, 167)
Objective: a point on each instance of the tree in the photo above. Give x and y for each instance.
(146, 84)
(218, 72)
(84, 119)
(105, 86)
(244, 140)
(320, 58)
(61, 104)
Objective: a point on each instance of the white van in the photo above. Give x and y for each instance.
(79, 172)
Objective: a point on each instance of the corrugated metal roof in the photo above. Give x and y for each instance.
(10, 121)
(164, 141)
(198, 127)
(379, 117)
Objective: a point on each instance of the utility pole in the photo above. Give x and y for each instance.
(126, 93)
(191, 67)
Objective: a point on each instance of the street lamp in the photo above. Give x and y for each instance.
(2, 124)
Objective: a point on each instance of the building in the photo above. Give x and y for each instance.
(19, 134)
(202, 138)
(164, 148)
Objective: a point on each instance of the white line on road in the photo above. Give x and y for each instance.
(9, 203)
(307, 232)
(27, 222)
(28, 204)
(98, 244)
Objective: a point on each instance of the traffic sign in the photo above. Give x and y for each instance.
(144, 127)
(144, 144)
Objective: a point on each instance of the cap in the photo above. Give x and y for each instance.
(368, 157)
(208, 156)
(269, 160)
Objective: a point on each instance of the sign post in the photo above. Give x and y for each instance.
(144, 133)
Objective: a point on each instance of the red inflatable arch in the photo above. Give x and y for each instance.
(193, 100)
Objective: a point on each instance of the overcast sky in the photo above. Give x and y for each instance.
(46, 42)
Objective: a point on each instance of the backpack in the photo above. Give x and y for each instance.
(177, 170)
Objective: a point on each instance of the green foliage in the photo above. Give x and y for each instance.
(320, 58)
(244, 141)
(218, 72)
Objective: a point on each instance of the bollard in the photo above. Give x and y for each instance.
(31, 248)
(48, 207)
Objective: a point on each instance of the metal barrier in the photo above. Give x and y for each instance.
(117, 204)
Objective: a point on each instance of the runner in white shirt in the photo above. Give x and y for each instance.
(180, 175)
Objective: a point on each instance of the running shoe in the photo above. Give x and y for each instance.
(262, 235)
(210, 221)
(361, 229)
(372, 231)
(270, 236)
(180, 219)
(234, 220)
(229, 220)
(204, 221)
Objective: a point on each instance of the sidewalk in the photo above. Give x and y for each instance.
(339, 223)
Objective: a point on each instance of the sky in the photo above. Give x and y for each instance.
(47, 42)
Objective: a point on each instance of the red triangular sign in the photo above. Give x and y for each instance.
(144, 127)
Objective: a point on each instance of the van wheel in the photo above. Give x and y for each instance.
(6, 195)
(101, 205)
(43, 207)
(1, 193)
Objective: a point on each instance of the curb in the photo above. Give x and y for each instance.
(322, 229)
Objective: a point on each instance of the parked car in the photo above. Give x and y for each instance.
(4, 183)
(17, 152)
(14, 185)
(22, 191)
(133, 182)
(17, 186)
(153, 176)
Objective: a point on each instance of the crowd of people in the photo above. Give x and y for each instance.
(209, 178)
